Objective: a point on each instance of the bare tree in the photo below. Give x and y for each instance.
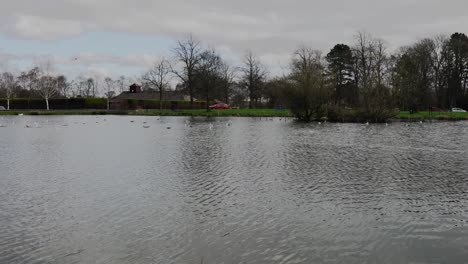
(89, 87)
(187, 54)
(62, 85)
(121, 83)
(228, 75)
(29, 81)
(439, 58)
(380, 57)
(8, 84)
(109, 90)
(253, 76)
(157, 77)
(371, 61)
(79, 86)
(47, 86)
(208, 74)
(363, 53)
(307, 94)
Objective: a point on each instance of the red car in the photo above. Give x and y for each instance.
(219, 106)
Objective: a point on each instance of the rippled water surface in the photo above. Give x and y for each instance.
(106, 190)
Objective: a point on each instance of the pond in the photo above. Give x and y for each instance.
(105, 189)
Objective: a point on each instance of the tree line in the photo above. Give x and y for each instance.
(39, 82)
(365, 76)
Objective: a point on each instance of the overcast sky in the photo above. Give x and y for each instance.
(123, 37)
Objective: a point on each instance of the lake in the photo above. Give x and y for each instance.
(104, 189)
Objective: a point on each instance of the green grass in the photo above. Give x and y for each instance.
(63, 112)
(433, 115)
(227, 112)
(214, 113)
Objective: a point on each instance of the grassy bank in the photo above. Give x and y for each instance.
(63, 112)
(404, 116)
(227, 112)
(433, 115)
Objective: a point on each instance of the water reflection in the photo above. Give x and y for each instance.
(107, 190)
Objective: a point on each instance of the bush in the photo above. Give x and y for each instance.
(340, 114)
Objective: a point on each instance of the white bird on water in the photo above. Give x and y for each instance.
(210, 126)
(367, 123)
(20, 114)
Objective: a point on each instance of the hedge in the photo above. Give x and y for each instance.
(96, 103)
(58, 104)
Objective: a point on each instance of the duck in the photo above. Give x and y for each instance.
(146, 126)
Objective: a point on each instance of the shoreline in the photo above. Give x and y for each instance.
(402, 116)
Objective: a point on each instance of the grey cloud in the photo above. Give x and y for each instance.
(266, 27)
